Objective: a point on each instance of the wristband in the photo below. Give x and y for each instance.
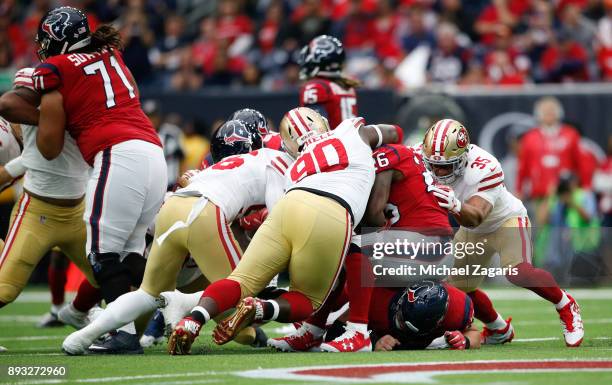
(400, 134)
(380, 135)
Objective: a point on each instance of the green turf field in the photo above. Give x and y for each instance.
(538, 338)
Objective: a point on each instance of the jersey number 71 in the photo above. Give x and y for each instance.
(100, 67)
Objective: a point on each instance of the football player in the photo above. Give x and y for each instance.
(50, 210)
(88, 91)
(327, 90)
(196, 220)
(400, 193)
(472, 189)
(308, 232)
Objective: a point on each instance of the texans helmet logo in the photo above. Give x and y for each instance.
(319, 49)
(55, 25)
(234, 137)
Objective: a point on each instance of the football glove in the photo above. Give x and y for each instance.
(446, 198)
(456, 340)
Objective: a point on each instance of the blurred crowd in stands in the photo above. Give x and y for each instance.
(190, 44)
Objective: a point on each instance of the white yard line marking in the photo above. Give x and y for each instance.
(32, 338)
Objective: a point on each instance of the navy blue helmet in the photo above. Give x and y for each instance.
(232, 138)
(253, 119)
(421, 308)
(324, 55)
(62, 30)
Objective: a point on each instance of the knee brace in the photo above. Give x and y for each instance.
(112, 275)
(135, 263)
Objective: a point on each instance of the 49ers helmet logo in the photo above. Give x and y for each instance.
(462, 138)
(55, 25)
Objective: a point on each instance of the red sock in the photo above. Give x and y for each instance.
(300, 306)
(57, 283)
(225, 292)
(537, 280)
(359, 283)
(483, 307)
(87, 297)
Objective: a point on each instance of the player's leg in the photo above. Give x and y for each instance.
(26, 243)
(267, 254)
(514, 244)
(56, 276)
(163, 264)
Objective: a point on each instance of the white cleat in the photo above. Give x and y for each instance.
(3, 349)
(71, 316)
(177, 306)
(571, 322)
(76, 344)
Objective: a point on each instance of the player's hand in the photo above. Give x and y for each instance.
(185, 179)
(455, 340)
(446, 198)
(386, 344)
(252, 221)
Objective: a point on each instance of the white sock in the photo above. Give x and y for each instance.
(315, 330)
(564, 301)
(129, 328)
(56, 308)
(77, 311)
(120, 312)
(499, 323)
(362, 328)
(202, 311)
(189, 301)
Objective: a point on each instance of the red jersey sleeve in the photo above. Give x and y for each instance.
(315, 92)
(47, 77)
(390, 157)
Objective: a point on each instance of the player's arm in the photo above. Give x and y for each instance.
(473, 335)
(378, 134)
(474, 211)
(379, 196)
(386, 344)
(51, 129)
(15, 107)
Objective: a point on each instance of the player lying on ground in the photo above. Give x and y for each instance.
(427, 315)
(473, 191)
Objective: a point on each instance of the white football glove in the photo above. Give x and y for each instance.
(446, 198)
(23, 78)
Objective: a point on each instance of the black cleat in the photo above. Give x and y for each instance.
(118, 343)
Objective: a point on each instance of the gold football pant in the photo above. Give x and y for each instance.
(208, 239)
(306, 234)
(35, 228)
(512, 241)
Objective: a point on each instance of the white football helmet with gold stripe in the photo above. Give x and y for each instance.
(298, 125)
(446, 145)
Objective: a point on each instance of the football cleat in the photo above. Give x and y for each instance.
(71, 316)
(350, 341)
(498, 336)
(50, 320)
(249, 310)
(75, 344)
(301, 340)
(183, 336)
(154, 333)
(571, 322)
(118, 343)
(3, 349)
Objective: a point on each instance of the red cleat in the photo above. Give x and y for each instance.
(350, 341)
(301, 340)
(571, 321)
(183, 335)
(498, 336)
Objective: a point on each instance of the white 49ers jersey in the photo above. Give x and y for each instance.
(484, 177)
(238, 183)
(9, 147)
(339, 163)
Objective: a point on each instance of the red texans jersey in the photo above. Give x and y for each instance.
(101, 105)
(409, 204)
(338, 102)
(459, 316)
